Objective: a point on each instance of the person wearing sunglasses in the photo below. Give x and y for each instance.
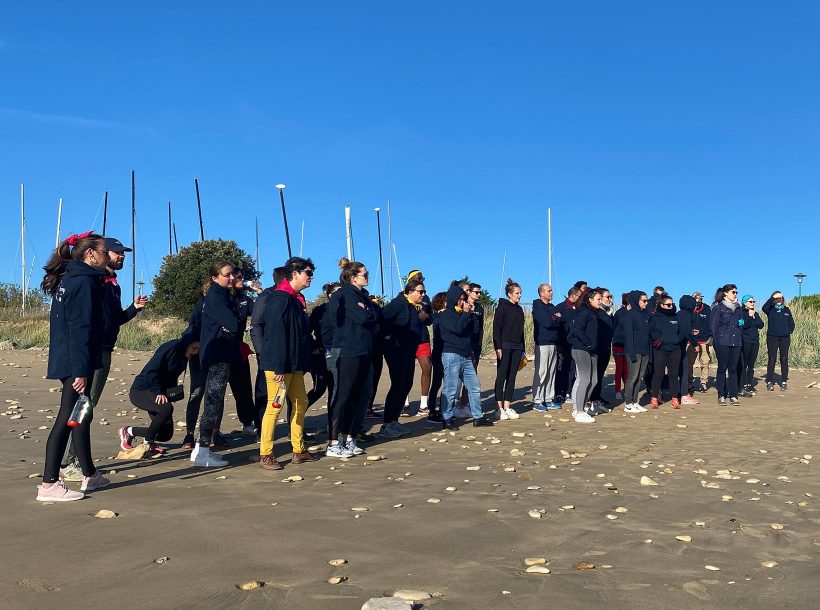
(778, 337)
(508, 341)
(665, 336)
(727, 329)
(606, 331)
(698, 351)
(583, 338)
(752, 323)
(689, 333)
(636, 348)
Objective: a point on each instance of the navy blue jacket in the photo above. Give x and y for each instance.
(703, 315)
(544, 326)
(583, 333)
(664, 327)
(244, 309)
(477, 339)
(751, 327)
(618, 332)
(508, 325)
(322, 326)
(403, 325)
(76, 325)
(357, 322)
(456, 328)
(219, 340)
(438, 342)
(781, 323)
(725, 327)
(687, 320)
(606, 330)
(194, 327)
(286, 344)
(636, 328)
(567, 311)
(258, 319)
(114, 315)
(165, 366)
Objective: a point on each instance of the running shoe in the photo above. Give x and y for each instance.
(188, 442)
(95, 481)
(125, 438)
(388, 431)
(654, 403)
(72, 473)
(783, 386)
(583, 418)
(689, 400)
(501, 414)
(57, 492)
(770, 386)
(205, 458)
(633, 409)
(424, 412)
(338, 450)
(353, 447)
(735, 402)
(540, 407)
(512, 414)
(721, 401)
(675, 403)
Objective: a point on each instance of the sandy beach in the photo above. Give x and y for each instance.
(731, 522)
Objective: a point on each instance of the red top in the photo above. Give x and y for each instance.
(285, 286)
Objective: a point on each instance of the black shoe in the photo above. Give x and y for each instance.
(188, 442)
(481, 421)
(435, 417)
(449, 424)
(770, 386)
(783, 386)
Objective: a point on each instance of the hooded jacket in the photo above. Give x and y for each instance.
(725, 324)
(258, 319)
(76, 324)
(544, 326)
(357, 322)
(583, 333)
(456, 327)
(618, 331)
(403, 325)
(687, 320)
(606, 330)
(751, 327)
(321, 327)
(781, 321)
(114, 315)
(164, 368)
(664, 327)
(563, 313)
(219, 340)
(703, 315)
(477, 338)
(508, 325)
(636, 327)
(286, 344)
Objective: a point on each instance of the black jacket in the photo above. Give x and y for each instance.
(357, 322)
(244, 310)
(164, 367)
(687, 320)
(76, 324)
(583, 333)
(322, 327)
(286, 344)
(427, 309)
(750, 332)
(219, 340)
(618, 331)
(636, 328)
(403, 325)
(258, 319)
(438, 342)
(114, 315)
(703, 314)
(544, 326)
(477, 339)
(564, 312)
(664, 327)
(194, 327)
(606, 330)
(781, 323)
(508, 326)
(456, 328)
(726, 327)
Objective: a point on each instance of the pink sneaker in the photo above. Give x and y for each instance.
(689, 400)
(57, 492)
(125, 438)
(95, 481)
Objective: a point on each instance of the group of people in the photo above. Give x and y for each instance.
(344, 342)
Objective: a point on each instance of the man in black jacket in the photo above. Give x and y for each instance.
(564, 313)
(114, 316)
(545, 335)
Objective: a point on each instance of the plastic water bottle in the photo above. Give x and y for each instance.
(281, 393)
(80, 412)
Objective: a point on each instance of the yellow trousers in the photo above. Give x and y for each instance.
(295, 384)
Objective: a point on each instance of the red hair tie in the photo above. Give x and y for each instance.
(74, 238)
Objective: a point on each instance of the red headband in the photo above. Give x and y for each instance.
(74, 238)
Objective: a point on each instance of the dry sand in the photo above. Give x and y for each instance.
(221, 528)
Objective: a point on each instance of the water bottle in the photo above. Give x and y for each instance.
(82, 408)
(279, 399)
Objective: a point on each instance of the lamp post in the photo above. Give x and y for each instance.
(381, 263)
(800, 277)
(281, 188)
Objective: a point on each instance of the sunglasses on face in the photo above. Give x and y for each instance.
(308, 272)
(644, 300)
(420, 291)
(666, 304)
(364, 275)
(733, 292)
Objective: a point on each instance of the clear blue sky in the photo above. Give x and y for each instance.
(675, 144)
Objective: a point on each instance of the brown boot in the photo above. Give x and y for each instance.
(305, 456)
(268, 462)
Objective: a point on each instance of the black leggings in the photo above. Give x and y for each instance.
(603, 361)
(727, 358)
(505, 374)
(772, 345)
(748, 362)
(401, 364)
(435, 382)
(321, 379)
(195, 392)
(60, 432)
(377, 364)
(215, 385)
(162, 417)
(351, 393)
(240, 382)
(666, 362)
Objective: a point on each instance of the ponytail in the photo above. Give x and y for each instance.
(72, 248)
(349, 270)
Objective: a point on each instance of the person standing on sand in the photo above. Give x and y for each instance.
(286, 351)
(424, 352)
(508, 342)
(438, 304)
(322, 330)
(665, 336)
(545, 337)
(621, 366)
(752, 323)
(689, 333)
(563, 313)
(74, 279)
(114, 316)
(583, 337)
(699, 350)
(778, 337)
(606, 330)
(636, 348)
(727, 328)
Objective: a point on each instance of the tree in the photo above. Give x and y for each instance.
(178, 285)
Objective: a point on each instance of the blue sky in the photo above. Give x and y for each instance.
(675, 144)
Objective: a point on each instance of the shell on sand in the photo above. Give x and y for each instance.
(534, 561)
(250, 585)
(337, 562)
(584, 565)
(683, 538)
(776, 526)
(336, 580)
(537, 569)
(768, 564)
(359, 509)
(105, 514)
(712, 568)
(647, 481)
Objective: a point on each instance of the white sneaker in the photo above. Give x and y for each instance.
(640, 408)
(388, 431)
(511, 414)
(195, 452)
(205, 458)
(338, 450)
(633, 409)
(583, 418)
(58, 492)
(619, 395)
(462, 412)
(97, 481)
(502, 414)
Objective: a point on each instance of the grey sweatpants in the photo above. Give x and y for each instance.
(586, 376)
(633, 379)
(543, 378)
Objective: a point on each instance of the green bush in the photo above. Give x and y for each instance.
(810, 301)
(11, 301)
(178, 285)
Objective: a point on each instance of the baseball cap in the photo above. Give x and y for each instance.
(113, 244)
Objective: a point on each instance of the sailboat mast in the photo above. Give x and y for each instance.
(23, 243)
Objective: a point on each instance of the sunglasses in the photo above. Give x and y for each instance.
(644, 300)
(308, 272)
(420, 291)
(733, 292)
(364, 275)
(751, 301)
(666, 304)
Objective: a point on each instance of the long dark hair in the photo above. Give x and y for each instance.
(73, 248)
(588, 295)
(214, 270)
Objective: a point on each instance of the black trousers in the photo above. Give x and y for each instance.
(352, 393)
(773, 345)
(727, 358)
(666, 362)
(603, 361)
(401, 364)
(196, 390)
(377, 365)
(60, 433)
(260, 395)
(162, 417)
(435, 382)
(747, 359)
(240, 382)
(506, 371)
(319, 374)
(563, 370)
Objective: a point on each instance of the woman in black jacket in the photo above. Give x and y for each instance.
(149, 392)
(752, 323)
(606, 331)
(778, 337)
(636, 347)
(666, 337)
(356, 326)
(726, 324)
(508, 341)
(218, 351)
(74, 281)
(583, 339)
(403, 335)
(439, 304)
(197, 380)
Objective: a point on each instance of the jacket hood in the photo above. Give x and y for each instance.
(453, 294)
(634, 298)
(688, 303)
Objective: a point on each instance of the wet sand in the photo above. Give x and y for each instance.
(726, 477)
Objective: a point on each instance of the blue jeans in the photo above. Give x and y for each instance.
(459, 368)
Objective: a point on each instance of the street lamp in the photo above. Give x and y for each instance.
(281, 188)
(800, 277)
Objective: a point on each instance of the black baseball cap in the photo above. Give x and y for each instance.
(113, 244)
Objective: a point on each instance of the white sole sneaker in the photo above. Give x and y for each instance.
(512, 414)
(632, 409)
(583, 418)
(208, 459)
(501, 414)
